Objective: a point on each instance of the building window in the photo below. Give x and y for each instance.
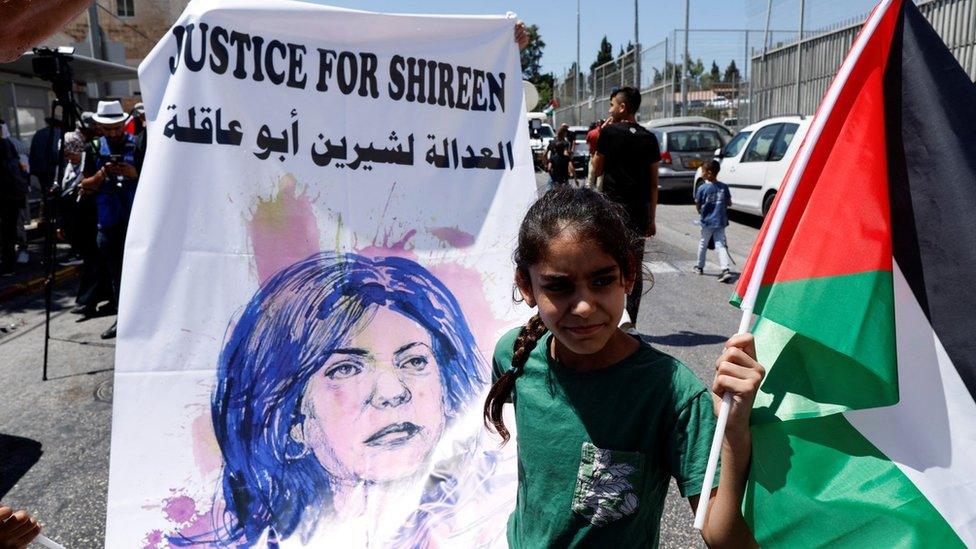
(125, 8)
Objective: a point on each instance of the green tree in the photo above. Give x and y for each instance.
(715, 73)
(604, 54)
(544, 86)
(532, 54)
(732, 73)
(695, 70)
(532, 67)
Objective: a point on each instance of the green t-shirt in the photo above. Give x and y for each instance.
(597, 450)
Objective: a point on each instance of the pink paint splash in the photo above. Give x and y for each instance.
(206, 451)
(180, 509)
(452, 236)
(466, 285)
(398, 248)
(283, 230)
(153, 540)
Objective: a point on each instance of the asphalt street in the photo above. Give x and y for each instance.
(54, 435)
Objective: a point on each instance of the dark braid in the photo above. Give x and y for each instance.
(501, 391)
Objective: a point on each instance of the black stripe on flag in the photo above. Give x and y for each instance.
(930, 117)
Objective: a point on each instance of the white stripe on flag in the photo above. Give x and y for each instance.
(931, 433)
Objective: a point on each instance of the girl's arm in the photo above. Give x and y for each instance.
(737, 371)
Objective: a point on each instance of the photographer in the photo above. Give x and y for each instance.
(111, 177)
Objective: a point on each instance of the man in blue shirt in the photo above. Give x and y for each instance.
(712, 200)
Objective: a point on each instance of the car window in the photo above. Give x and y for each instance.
(734, 146)
(762, 142)
(693, 141)
(782, 142)
(542, 132)
(718, 127)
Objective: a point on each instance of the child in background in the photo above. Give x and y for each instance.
(604, 420)
(712, 200)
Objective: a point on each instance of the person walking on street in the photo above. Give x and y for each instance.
(712, 200)
(111, 177)
(559, 157)
(627, 157)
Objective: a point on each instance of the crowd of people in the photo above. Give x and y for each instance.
(89, 191)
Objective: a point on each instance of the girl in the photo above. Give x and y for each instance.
(604, 420)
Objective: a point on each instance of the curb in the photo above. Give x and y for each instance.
(35, 285)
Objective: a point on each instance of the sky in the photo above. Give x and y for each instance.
(657, 20)
(557, 20)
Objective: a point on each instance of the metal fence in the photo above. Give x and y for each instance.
(783, 89)
(658, 71)
(789, 77)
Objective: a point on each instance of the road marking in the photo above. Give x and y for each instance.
(661, 267)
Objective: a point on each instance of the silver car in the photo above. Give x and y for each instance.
(683, 150)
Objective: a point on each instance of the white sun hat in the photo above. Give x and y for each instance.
(110, 113)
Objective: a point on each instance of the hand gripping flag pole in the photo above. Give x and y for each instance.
(776, 223)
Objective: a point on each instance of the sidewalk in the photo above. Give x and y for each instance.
(29, 278)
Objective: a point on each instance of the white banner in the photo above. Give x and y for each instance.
(317, 267)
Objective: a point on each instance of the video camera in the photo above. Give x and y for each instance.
(55, 67)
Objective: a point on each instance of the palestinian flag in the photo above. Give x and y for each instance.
(864, 279)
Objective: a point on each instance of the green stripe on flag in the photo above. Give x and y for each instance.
(818, 482)
(830, 346)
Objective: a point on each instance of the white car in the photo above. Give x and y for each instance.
(754, 163)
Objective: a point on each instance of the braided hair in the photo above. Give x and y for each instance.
(589, 216)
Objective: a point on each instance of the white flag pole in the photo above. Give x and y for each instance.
(47, 542)
(775, 224)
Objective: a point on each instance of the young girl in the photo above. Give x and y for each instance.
(604, 420)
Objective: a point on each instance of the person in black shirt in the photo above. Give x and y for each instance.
(627, 156)
(559, 156)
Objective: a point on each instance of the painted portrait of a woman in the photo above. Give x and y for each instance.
(333, 389)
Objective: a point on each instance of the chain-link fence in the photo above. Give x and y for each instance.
(737, 77)
(793, 80)
(715, 84)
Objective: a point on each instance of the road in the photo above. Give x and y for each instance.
(54, 435)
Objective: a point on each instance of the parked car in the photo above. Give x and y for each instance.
(581, 151)
(683, 150)
(697, 121)
(540, 134)
(754, 163)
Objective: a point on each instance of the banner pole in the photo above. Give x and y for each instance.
(775, 225)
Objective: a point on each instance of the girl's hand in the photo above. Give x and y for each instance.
(737, 371)
(18, 529)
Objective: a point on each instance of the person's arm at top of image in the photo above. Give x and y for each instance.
(25, 23)
(738, 372)
(17, 529)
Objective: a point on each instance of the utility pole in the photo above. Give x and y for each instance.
(577, 75)
(764, 81)
(799, 58)
(637, 60)
(96, 41)
(684, 67)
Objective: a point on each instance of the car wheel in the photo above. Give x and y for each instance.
(768, 203)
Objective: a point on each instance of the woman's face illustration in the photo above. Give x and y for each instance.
(375, 410)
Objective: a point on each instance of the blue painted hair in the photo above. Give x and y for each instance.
(283, 337)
